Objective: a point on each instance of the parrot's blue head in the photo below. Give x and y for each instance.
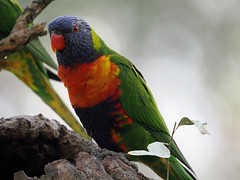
(71, 39)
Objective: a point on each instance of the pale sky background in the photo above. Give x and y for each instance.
(188, 51)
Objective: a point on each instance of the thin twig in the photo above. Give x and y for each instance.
(168, 163)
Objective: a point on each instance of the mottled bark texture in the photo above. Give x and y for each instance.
(45, 150)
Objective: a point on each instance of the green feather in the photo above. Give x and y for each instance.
(139, 104)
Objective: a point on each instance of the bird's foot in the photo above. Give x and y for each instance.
(103, 153)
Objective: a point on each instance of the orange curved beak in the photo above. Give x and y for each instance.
(57, 42)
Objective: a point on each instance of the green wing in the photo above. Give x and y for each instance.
(139, 104)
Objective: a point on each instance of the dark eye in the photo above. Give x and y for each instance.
(75, 29)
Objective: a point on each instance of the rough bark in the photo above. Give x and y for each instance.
(20, 34)
(46, 150)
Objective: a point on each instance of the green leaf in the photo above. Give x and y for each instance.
(39, 53)
(202, 126)
(185, 121)
(154, 149)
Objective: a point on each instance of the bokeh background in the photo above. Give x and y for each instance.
(188, 52)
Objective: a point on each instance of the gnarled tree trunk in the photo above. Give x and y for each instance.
(47, 150)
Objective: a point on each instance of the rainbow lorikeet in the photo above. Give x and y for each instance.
(28, 65)
(110, 96)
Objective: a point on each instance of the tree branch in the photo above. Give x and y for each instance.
(20, 34)
(29, 143)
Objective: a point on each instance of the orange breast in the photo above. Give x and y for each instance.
(90, 84)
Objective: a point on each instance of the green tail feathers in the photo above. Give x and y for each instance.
(160, 167)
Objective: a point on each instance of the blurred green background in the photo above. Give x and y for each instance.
(188, 52)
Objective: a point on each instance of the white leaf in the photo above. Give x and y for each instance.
(140, 153)
(159, 149)
(202, 127)
(154, 149)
